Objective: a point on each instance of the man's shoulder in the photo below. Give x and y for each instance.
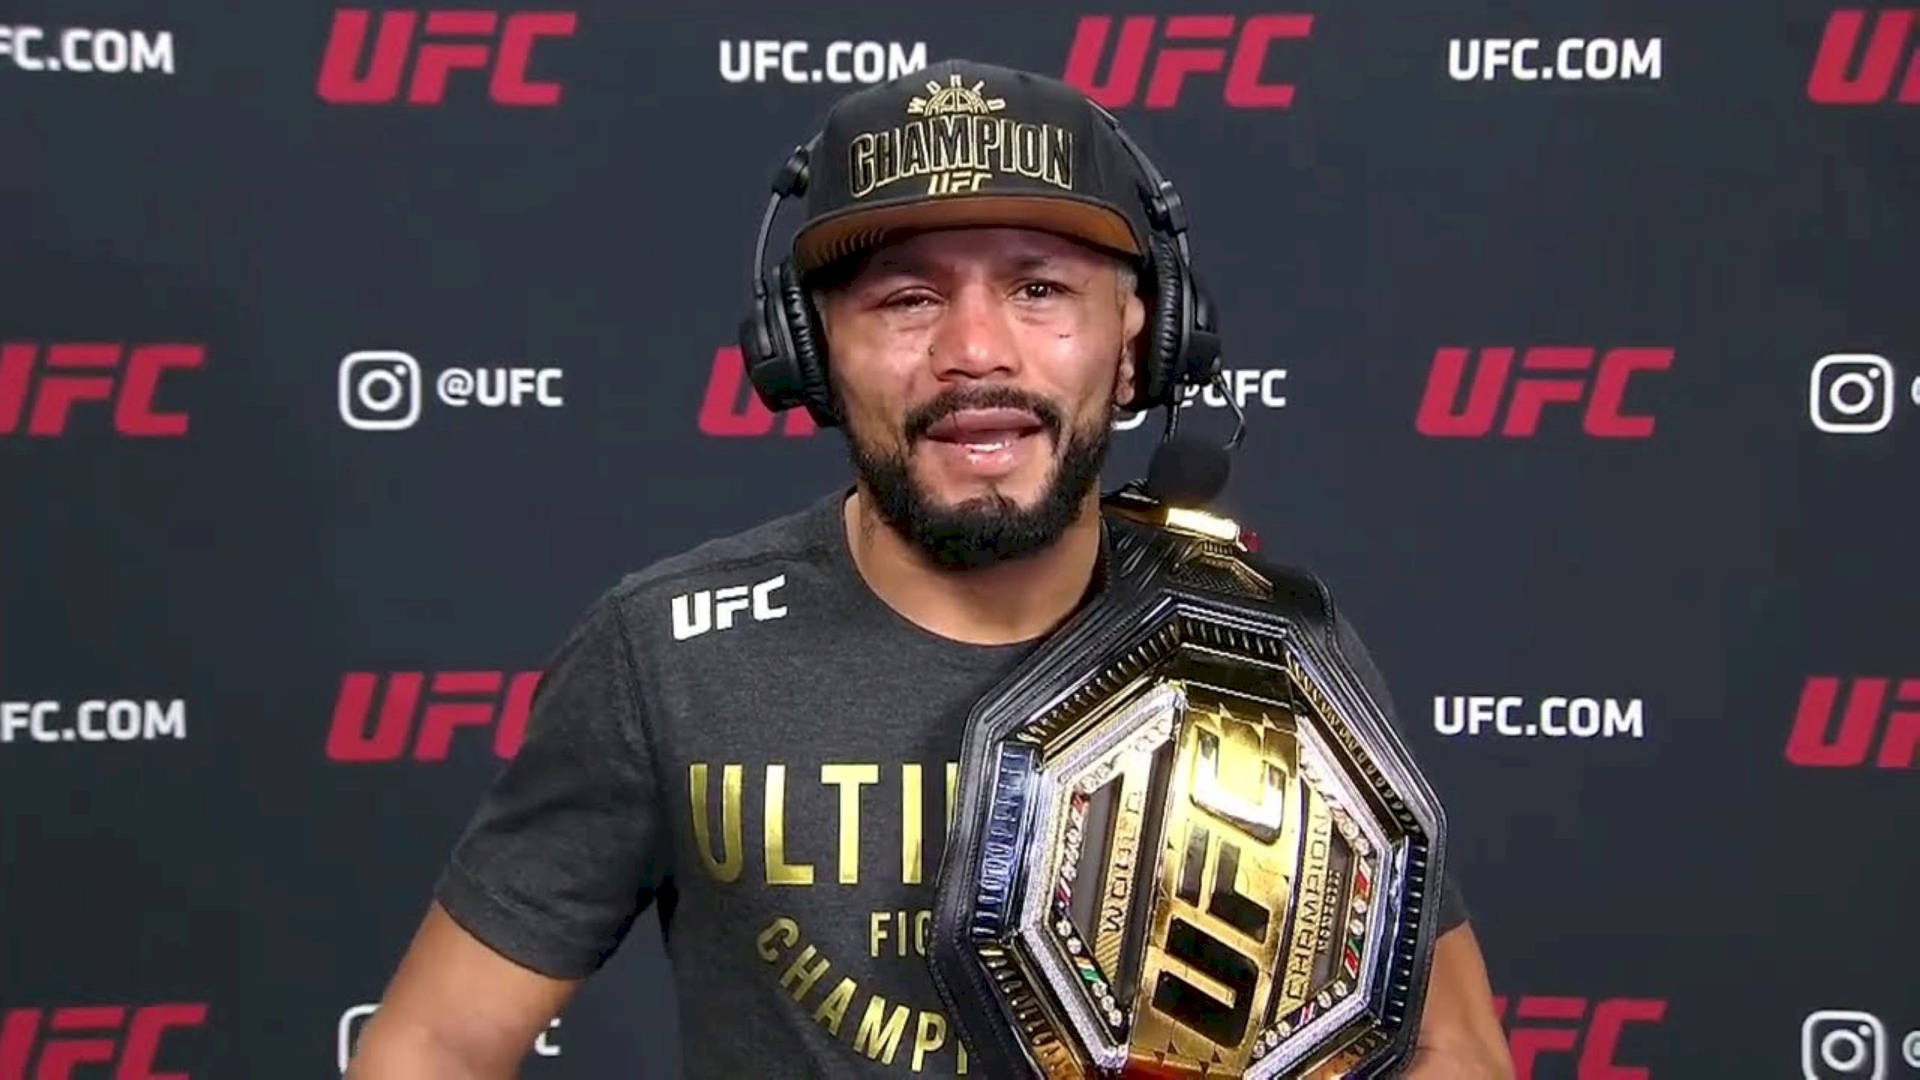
(794, 537)
(1307, 593)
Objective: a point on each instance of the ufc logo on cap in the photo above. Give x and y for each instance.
(696, 613)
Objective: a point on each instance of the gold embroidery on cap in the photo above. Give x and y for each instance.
(954, 98)
(959, 144)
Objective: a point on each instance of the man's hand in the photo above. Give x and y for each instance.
(1460, 1036)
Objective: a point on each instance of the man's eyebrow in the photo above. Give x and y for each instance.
(1032, 261)
(895, 262)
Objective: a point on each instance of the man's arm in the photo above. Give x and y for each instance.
(564, 853)
(1460, 1036)
(455, 1010)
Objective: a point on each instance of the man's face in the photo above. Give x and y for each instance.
(978, 371)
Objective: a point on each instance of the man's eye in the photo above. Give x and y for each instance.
(908, 301)
(1041, 290)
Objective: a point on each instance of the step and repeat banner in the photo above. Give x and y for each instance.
(347, 353)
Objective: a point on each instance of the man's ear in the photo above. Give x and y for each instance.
(1133, 317)
(818, 300)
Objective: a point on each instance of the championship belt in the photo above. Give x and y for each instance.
(1186, 841)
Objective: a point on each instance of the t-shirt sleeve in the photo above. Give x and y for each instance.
(567, 846)
(1453, 904)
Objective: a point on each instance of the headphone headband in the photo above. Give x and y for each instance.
(1164, 207)
(789, 181)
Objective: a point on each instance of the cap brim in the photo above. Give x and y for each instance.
(837, 236)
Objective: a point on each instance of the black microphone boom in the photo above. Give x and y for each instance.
(1185, 473)
(1188, 472)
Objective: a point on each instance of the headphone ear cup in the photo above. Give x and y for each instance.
(768, 361)
(1201, 359)
(1165, 318)
(810, 366)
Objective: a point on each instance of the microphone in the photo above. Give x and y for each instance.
(1190, 472)
(1187, 472)
(1184, 474)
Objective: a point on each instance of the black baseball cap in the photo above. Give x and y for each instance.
(962, 143)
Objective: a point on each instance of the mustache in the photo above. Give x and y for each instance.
(922, 417)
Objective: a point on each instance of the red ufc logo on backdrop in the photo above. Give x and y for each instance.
(731, 407)
(77, 1035)
(68, 374)
(362, 733)
(451, 40)
(1553, 1025)
(1549, 374)
(1864, 718)
(1188, 45)
(1891, 43)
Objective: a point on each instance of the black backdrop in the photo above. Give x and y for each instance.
(1703, 536)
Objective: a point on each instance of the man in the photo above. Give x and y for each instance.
(774, 765)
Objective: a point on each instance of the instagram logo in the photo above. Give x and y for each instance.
(348, 1034)
(1847, 1043)
(1851, 394)
(379, 390)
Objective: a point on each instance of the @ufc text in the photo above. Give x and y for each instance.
(384, 390)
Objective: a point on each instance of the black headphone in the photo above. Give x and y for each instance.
(780, 335)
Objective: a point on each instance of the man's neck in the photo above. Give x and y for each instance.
(1009, 602)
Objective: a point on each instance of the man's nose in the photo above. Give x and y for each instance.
(973, 340)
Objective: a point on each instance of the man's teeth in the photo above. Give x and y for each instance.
(988, 442)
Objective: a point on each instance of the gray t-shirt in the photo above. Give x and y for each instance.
(746, 734)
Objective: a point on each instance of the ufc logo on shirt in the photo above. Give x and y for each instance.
(716, 609)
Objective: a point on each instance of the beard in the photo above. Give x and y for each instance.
(992, 528)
